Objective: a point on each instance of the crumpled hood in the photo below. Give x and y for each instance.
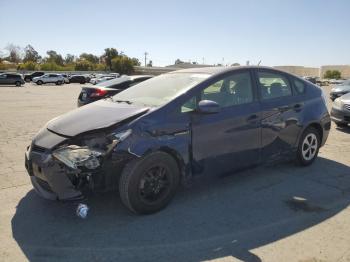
(98, 115)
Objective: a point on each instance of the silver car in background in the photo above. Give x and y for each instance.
(340, 90)
(49, 78)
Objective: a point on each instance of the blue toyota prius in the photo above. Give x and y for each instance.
(147, 140)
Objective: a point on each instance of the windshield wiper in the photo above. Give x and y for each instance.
(123, 101)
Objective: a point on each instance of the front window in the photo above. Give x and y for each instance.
(233, 90)
(160, 90)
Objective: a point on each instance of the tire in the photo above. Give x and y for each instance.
(139, 172)
(18, 83)
(39, 82)
(82, 82)
(309, 146)
(59, 83)
(340, 124)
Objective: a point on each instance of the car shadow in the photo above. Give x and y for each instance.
(344, 129)
(213, 218)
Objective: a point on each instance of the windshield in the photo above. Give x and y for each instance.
(160, 90)
(346, 83)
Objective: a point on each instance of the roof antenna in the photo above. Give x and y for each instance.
(259, 63)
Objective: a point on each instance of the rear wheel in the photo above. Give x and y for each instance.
(147, 185)
(18, 83)
(309, 145)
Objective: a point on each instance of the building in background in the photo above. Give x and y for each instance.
(300, 70)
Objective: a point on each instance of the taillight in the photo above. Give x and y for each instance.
(98, 93)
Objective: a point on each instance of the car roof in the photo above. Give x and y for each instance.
(213, 70)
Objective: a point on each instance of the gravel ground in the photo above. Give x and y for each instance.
(249, 216)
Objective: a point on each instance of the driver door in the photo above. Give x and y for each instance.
(230, 139)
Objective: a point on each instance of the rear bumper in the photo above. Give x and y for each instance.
(340, 116)
(85, 102)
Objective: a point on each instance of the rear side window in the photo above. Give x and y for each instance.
(300, 86)
(273, 85)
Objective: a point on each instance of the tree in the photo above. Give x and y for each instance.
(332, 74)
(84, 65)
(69, 59)
(122, 65)
(15, 53)
(54, 57)
(178, 62)
(150, 63)
(135, 61)
(109, 55)
(89, 57)
(31, 55)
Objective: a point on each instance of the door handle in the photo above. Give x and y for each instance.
(297, 107)
(283, 108)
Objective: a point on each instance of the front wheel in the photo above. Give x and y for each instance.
(39, 82)
(309, 145)
(18, 83)
(148, 184)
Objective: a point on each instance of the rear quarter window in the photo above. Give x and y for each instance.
(300, 86)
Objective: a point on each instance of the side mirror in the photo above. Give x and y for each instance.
(208, 107)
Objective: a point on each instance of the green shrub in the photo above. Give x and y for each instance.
(31, 66)
(122, 65)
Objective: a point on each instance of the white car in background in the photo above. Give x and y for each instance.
(101, 79)
(49, 78)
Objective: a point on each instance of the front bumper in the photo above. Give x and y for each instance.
(340, 115)
(48, 177)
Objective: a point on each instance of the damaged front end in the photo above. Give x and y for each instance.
(76, 165)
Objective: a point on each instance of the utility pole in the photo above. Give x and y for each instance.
(202, 60)
(146, 54)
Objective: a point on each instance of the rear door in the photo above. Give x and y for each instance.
(229, 139)
(281, 114)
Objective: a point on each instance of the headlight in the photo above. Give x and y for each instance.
(75, 156)
(338, 103)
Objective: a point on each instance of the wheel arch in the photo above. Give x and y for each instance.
(315, 125)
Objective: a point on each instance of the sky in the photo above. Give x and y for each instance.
(277, 32)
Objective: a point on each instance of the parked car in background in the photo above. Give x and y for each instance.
(311, 79)
(91, 94)
(340, 90)
(77, 79)
(336, 81)
(29, 77)
(340, 113)
(102, 78)
(176, 126)
(66, 78)
(11, 79)
(49, 78)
